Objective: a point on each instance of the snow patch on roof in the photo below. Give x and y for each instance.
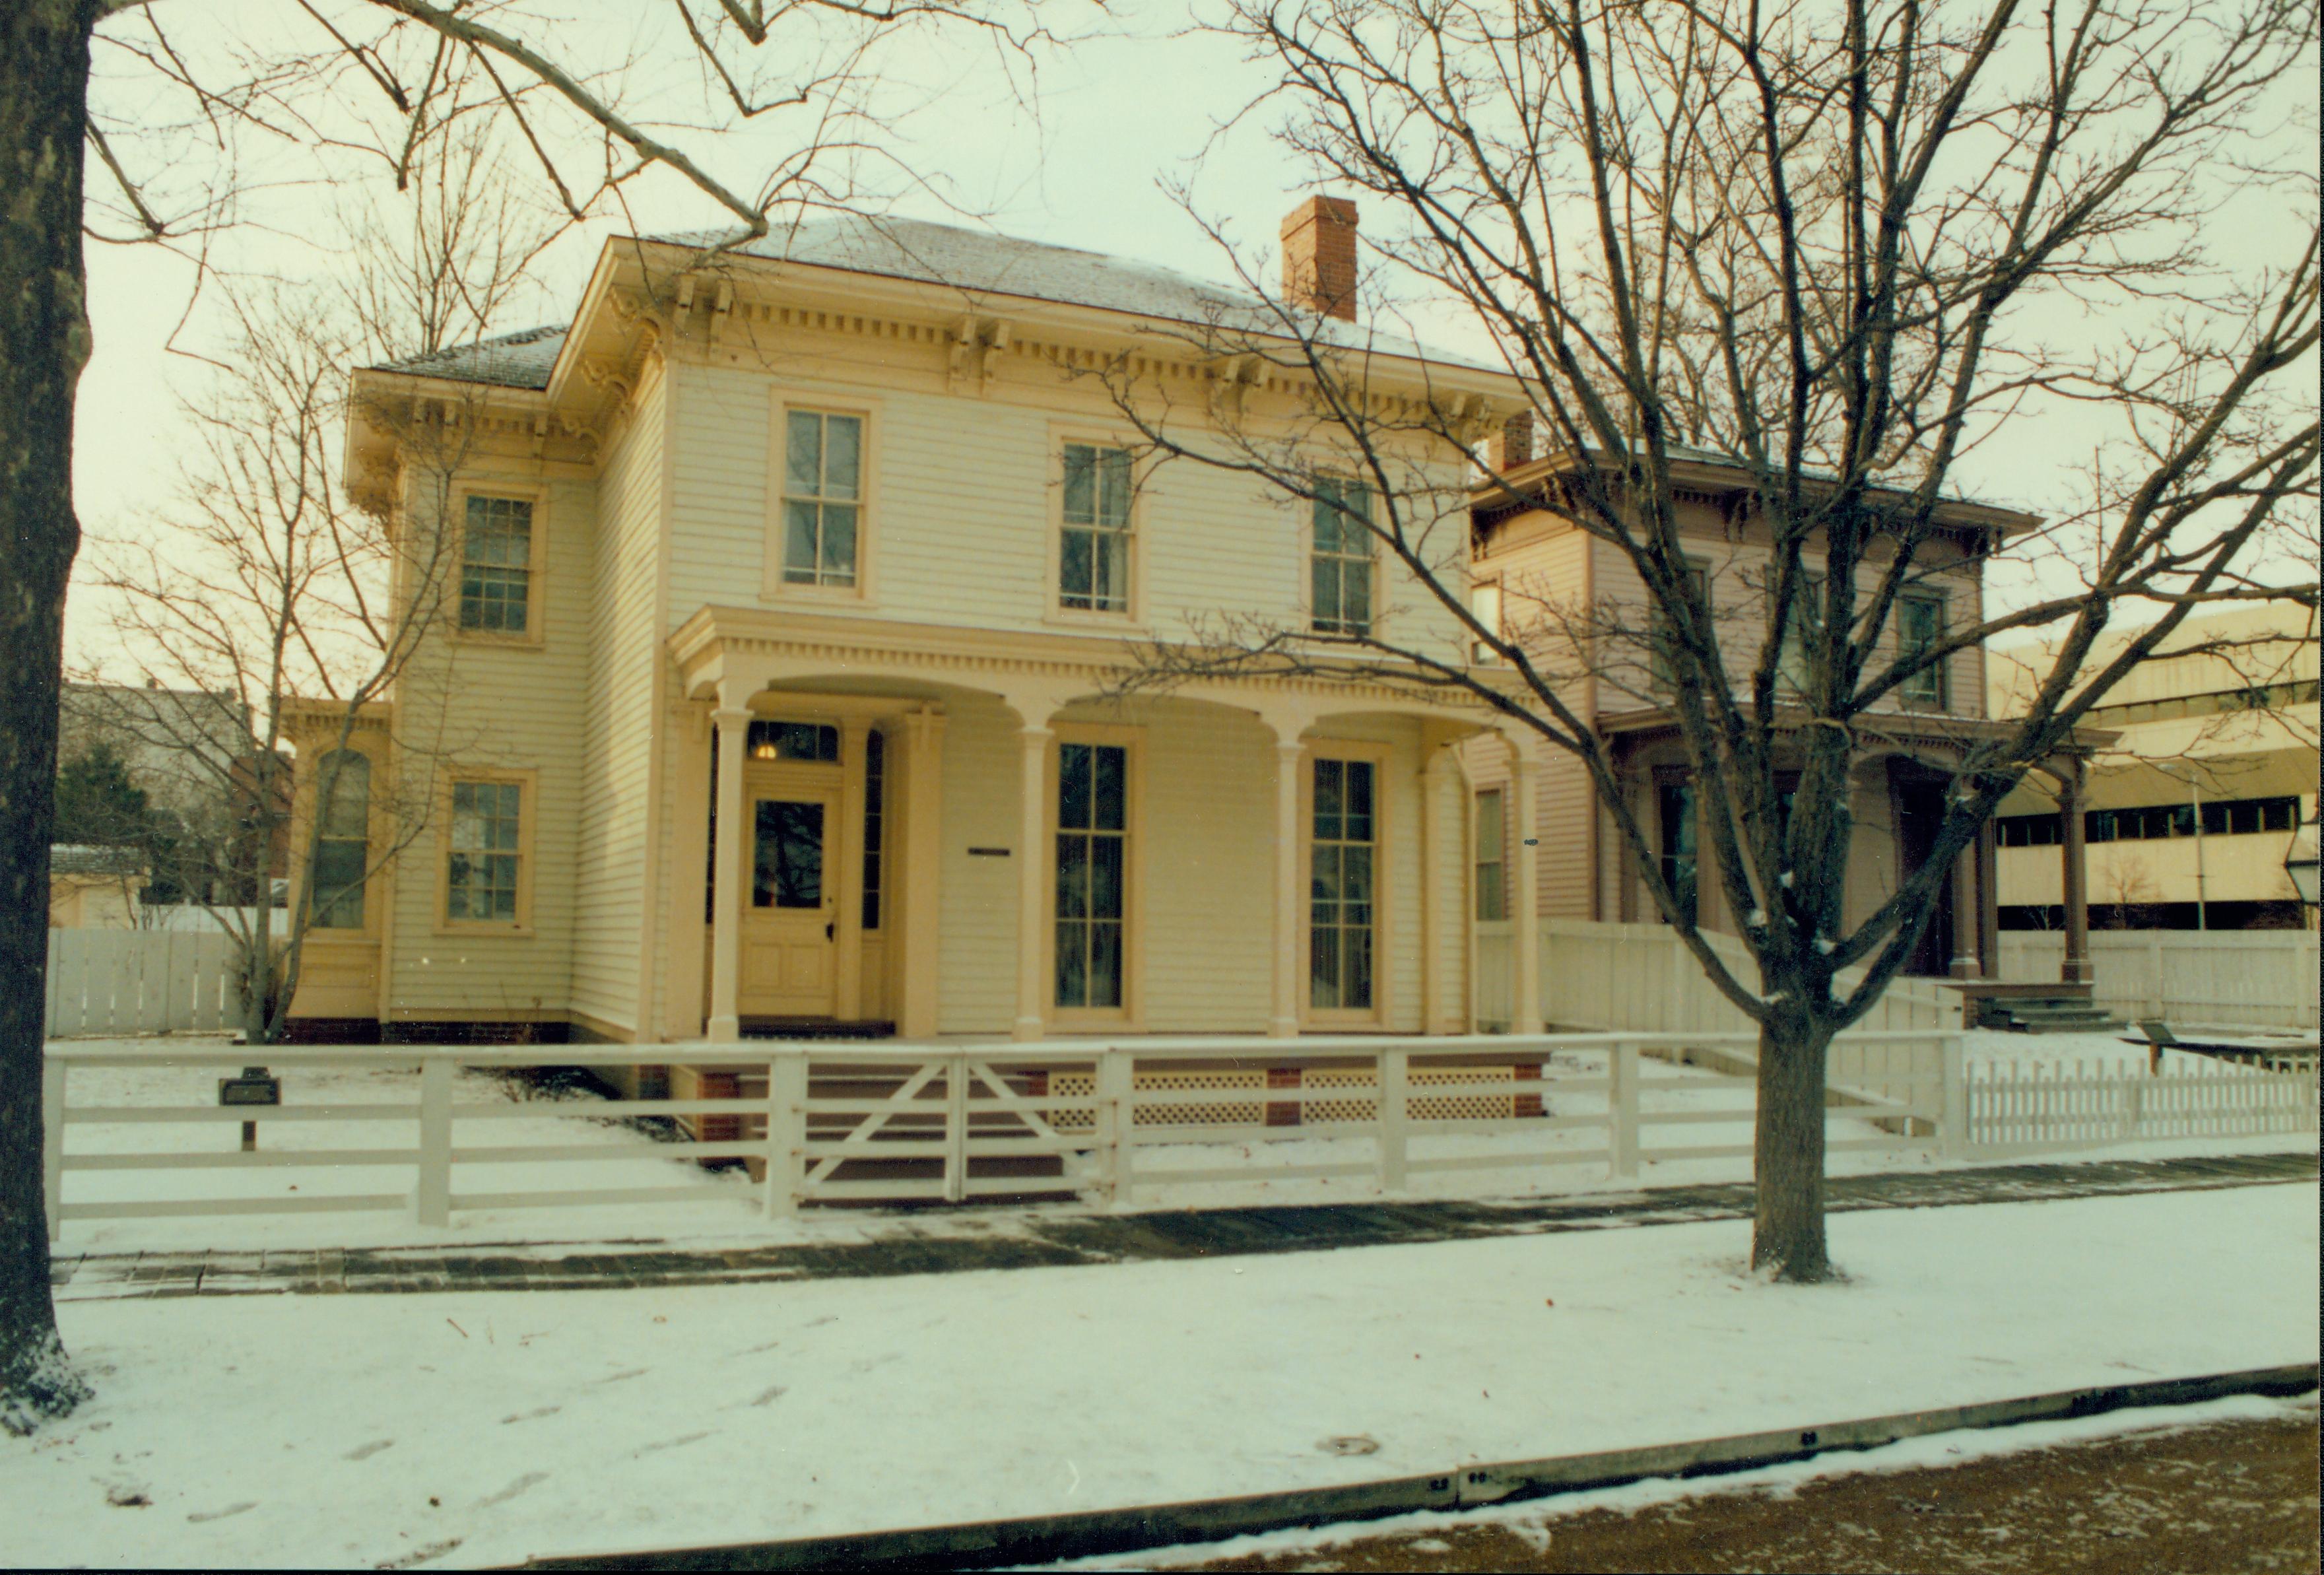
(521, 360)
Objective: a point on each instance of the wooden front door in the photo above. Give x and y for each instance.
(790, 915)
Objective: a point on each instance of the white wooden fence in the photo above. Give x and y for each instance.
(1115, 1123)
(2009, 1109)
(114, 982)
(1641, 978)
(2263, 978)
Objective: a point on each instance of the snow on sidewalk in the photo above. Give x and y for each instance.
(481, 1428)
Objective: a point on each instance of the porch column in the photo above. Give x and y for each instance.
(1988, 905)
(726, 878)
(916, 1009)
(2077, 969)
(846, 876)
(1961, 892)
(1442, 844)
(1525, 933)
(1290, 901)
(1032, 868)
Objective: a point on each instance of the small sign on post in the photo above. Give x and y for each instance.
(253, 1087)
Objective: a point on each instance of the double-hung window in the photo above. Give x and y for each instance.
(1339, 563)
(1662, 634)
(1093, 874)
(342, 839)
(485, 863)
(1341, 918)
(1921, 627)
(1492, 857)
(1093, 553)
(1792, 657)
(823, 497)
(496, 566)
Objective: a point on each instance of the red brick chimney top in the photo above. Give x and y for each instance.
(1319, 256)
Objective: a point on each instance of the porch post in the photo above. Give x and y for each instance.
(726, 878)
(845, 855)
(1525, 934)
(2077, 969)
(1988, 905)
(916, 1011)
(1290, 902)
(1032, 870)
(1961, 892)
(1441, 845)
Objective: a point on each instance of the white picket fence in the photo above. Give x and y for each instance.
(1641, 978)
(2009, 1109)
(1115, 1123)
(105, 983)
(2263, 978)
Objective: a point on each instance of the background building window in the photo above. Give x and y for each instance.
(1340, 565)
(1920, 627)
(875, 775)
(1662, 634)
(480, 882)
(1341, 892)
(1492, 857)
(1092, 848)
(342, 839)
(823, 497)
(496, 566)
(1093, 573)
(1485, 607)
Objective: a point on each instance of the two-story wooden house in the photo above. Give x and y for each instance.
(785, 600)
(1577, 602)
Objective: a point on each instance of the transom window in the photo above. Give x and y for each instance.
(1094, 562)
(793, 741)
(1340, 859)
(1340, 564)
(496, 566)
(823, 497)
(1920, 627)
(342, 839)
(487, 850)
(1093, 865)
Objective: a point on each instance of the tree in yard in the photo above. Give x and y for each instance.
(1834, 247)
(196, 113)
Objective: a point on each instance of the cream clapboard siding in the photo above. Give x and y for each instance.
(465, 695)
(976, 960)
(609, 880)
(961, 508)
(1209, 908)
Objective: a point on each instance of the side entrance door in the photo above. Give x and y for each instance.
(791, 920)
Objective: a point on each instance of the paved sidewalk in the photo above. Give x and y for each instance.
(1043, 1241)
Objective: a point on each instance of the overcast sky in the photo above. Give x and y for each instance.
(1117, 117)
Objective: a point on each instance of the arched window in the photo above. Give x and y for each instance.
(343, 841)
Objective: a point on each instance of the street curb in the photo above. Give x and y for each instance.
(1045, 1538)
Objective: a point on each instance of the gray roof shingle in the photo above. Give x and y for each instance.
(521, 360)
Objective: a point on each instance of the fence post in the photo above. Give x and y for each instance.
(432, 1198)
(1117, 1115)
(1952, 1076)
(955, 1171)
(786, 1130)
(1395, 1111)
(52, 1143)
(1622, 1108)
(2133, 1104)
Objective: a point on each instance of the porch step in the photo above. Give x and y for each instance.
(2052, 1015)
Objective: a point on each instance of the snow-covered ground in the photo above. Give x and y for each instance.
(477, 1428)
(724, 1208)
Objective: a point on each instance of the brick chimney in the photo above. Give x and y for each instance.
(1319, 256)
(1513, 445)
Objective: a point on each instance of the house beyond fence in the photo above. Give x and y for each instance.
(2262, 978)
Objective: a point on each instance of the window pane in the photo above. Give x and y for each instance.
(1106, 881)
(1109, 589)
(838, 544)
(1081, 485)
(1073, 877)
(1329, 774)
(1073, 965)
(787, 861)
(1114, 488)
(1356, 597)
(339, 884)
(1325, 575)
(348, 811)
(842, 458)
(1110, 797)
(1492, 899)
(1105, 965)
(1324, 969)
(1075, 577)
(803, 453)
(1356, 980)
(1360, 801)
(1490, 833)
(1073, 771)
(799, 542)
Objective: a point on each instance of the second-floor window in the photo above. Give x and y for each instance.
(1920, 627)
(1093, 557)
(1341, 562)
(496, 566)
(823, 497)
(1792, 656)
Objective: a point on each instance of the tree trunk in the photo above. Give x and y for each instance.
(1787, 1151)
(43, 344)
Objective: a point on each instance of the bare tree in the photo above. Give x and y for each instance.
(1831, 247)
(200, 118)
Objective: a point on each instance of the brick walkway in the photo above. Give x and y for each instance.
(1051, 1240)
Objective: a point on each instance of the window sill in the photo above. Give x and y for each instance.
(520, 931)
(494, 640)
(1074, 618)
(845, 597)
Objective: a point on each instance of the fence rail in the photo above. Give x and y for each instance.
(1641, 978)
(115, 982)
(1113, 1123)
(2265, 978)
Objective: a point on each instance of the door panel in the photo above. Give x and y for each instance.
(788, 922)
